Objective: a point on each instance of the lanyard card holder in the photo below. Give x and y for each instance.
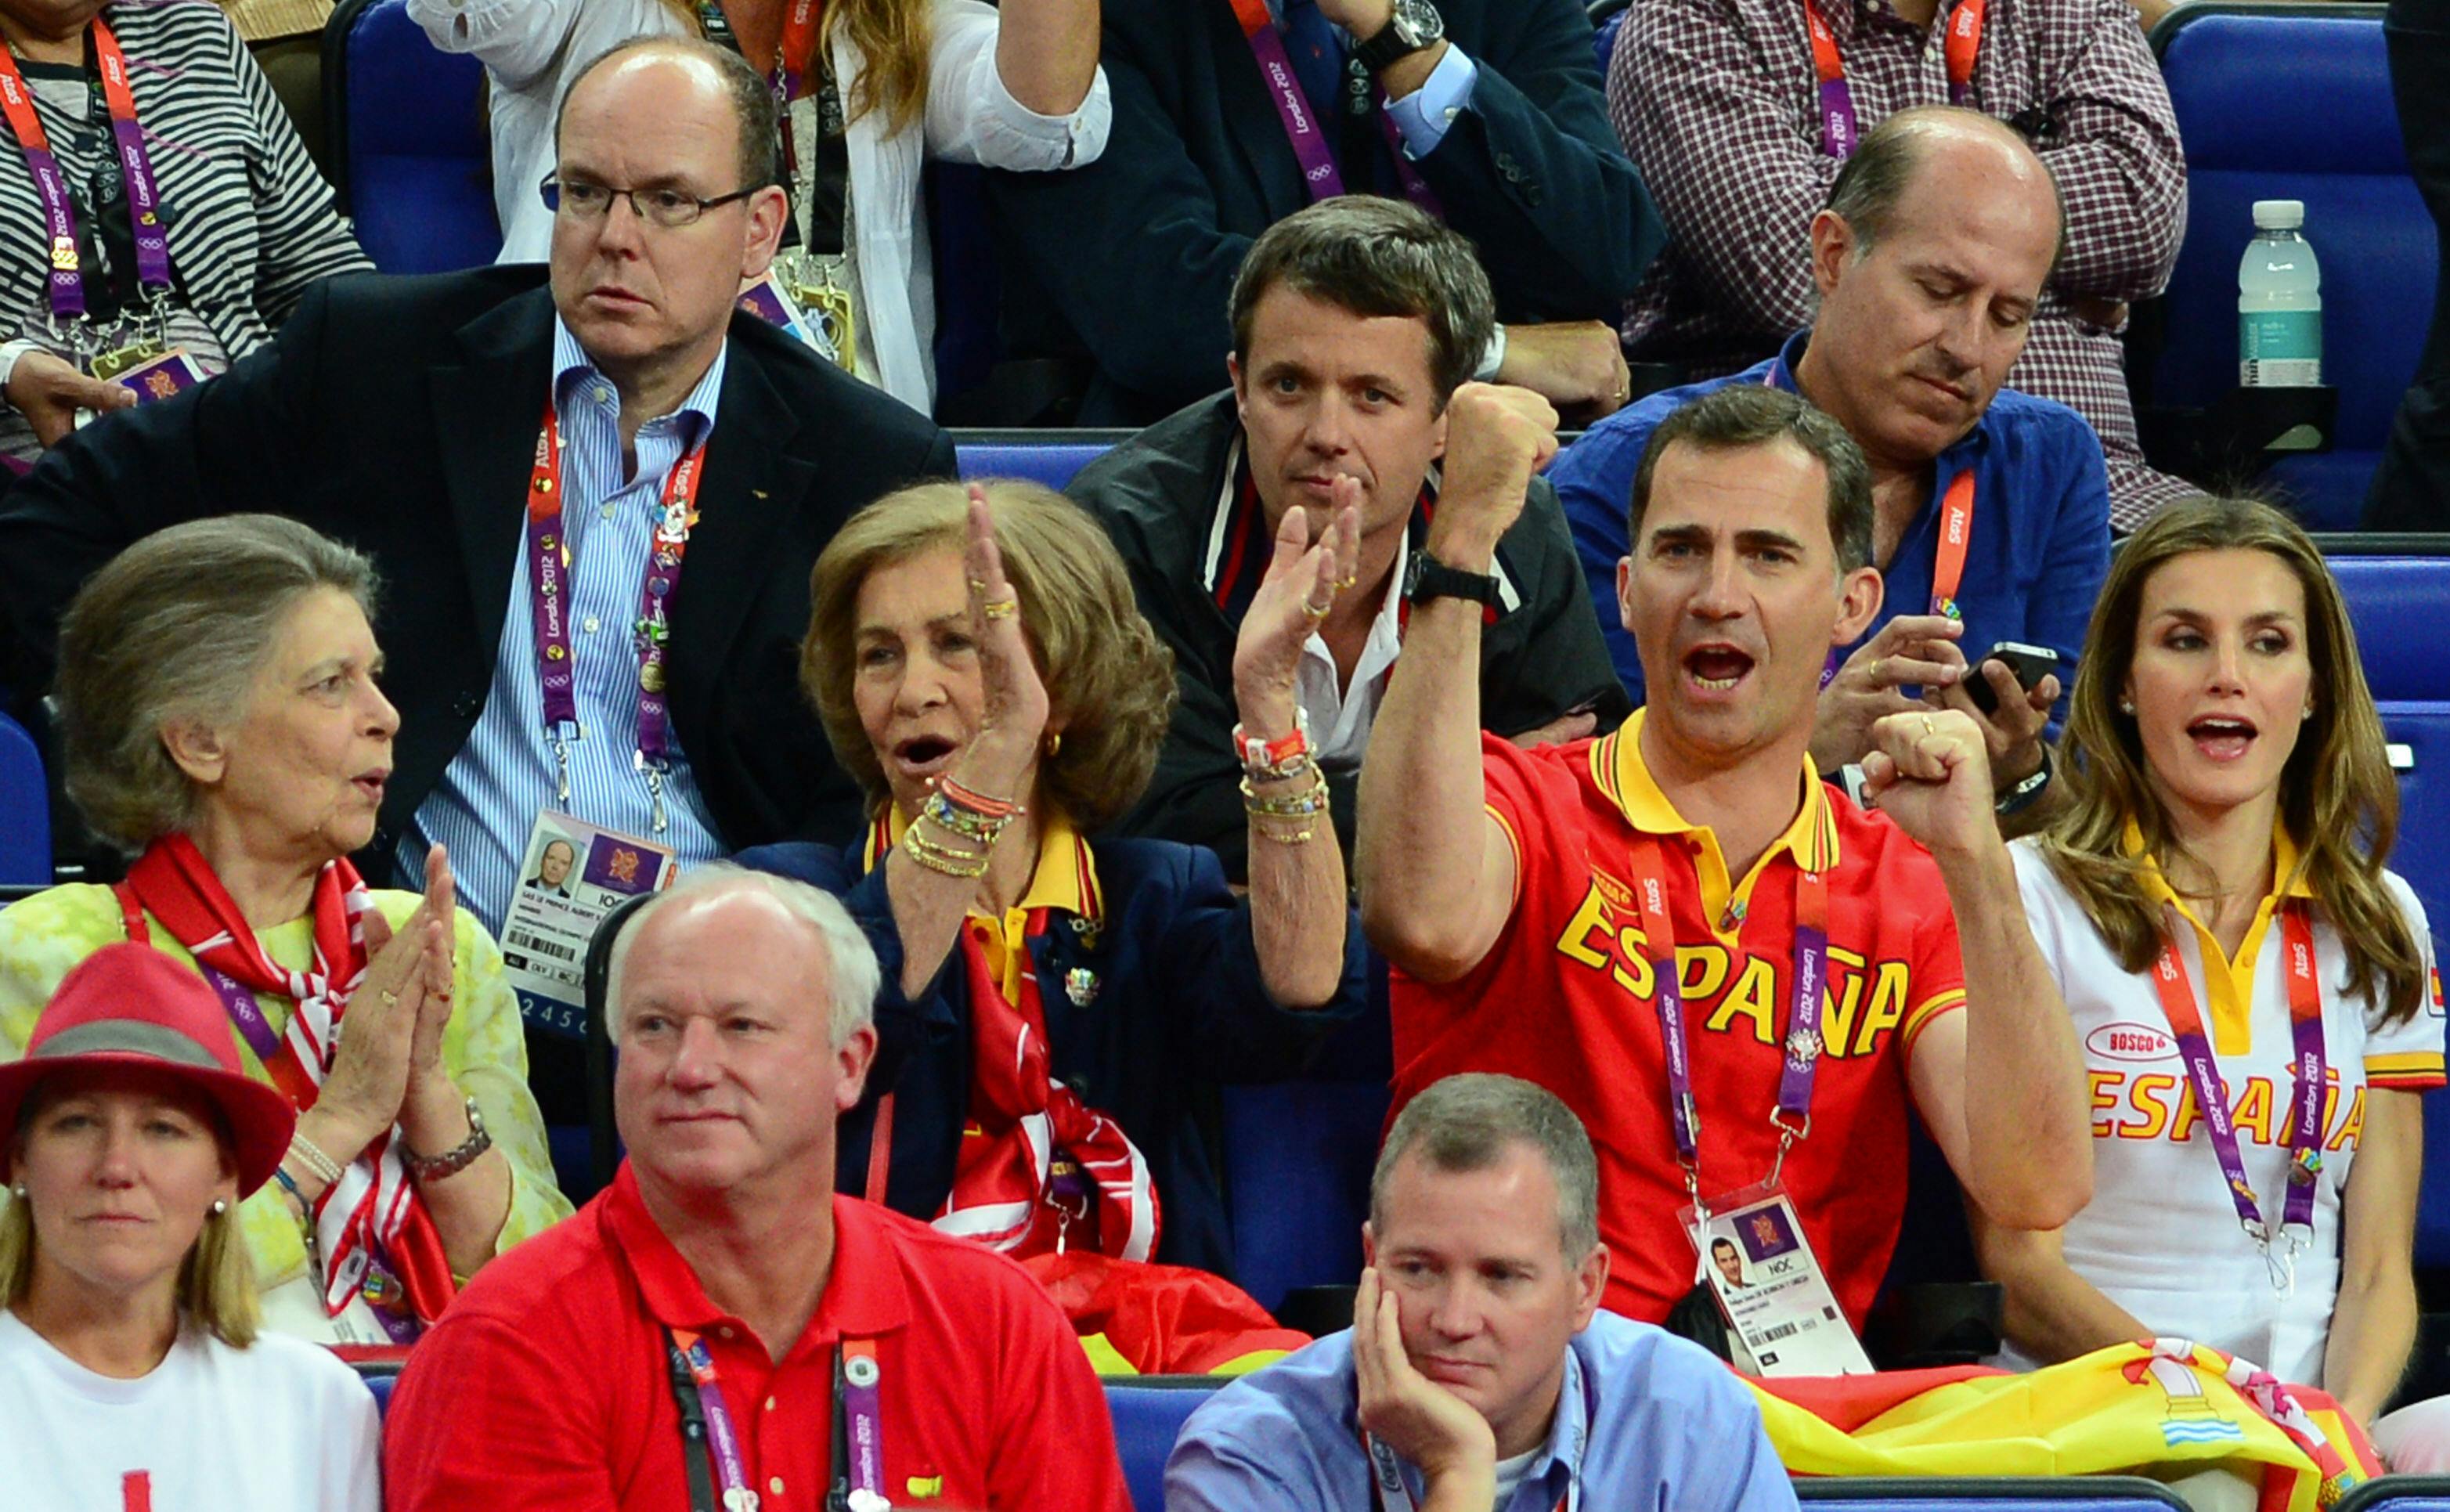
(1782, 1319)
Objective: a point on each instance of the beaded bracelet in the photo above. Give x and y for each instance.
(325, 1169)
(975, 803)
(1309, 803)
(955, 818)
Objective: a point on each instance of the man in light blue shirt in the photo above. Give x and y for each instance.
(1479, 1373)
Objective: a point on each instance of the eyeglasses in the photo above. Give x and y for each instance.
(667, 207)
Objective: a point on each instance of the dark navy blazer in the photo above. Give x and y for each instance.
(1176, 1009)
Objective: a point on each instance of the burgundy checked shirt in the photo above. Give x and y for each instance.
(1718, 105)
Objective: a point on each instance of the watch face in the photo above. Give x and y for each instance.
(1418, 22)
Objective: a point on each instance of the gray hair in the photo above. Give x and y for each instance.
(1874, 182)
(851, 969)
(1743, 414)
(1375, 257)
(1468, 1123)
(178, 627)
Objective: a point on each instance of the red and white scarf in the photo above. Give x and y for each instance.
(374, 1210)
(1038, 1170)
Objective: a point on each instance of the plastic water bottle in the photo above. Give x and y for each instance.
(2279, 302)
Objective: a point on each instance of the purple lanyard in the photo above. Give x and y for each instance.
(549, 603)
(67, 282)
(1839, 129)
(1303, 128)
(706, 1424)
(1792, 1114)
(2305, 1112)
(859, 1427)
(246, 1014)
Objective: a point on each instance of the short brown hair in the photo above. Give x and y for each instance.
(1108, 676)
(177, 627)
(2338, 797)
(1375, 257)
(1742, 415)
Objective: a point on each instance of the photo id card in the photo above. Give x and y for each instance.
(1783, 1320)
(570, 876)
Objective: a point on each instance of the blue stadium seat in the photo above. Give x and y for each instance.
(408, 132)
(1149, 1412)
(2285, 102)
(1051, 462)
(2399, 1493)
(2397, 603)
(1297, 1159)
(24, 810)
(380, 1383)
(2074, 1493)
(1604, 40)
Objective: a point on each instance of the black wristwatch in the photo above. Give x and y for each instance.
(1428, 578)
(1414, 24)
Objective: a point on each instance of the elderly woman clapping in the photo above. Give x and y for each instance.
(131, 1373)
(220, 718)
(1065, 1008)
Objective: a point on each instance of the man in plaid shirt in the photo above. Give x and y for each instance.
(1723, 106)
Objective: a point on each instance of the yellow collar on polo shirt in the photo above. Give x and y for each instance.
(1811, 839)
(1065, 881)
(2228, 993)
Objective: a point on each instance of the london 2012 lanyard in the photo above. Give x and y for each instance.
(549, 600)
(1838, 129)
(2306, 1110)
(67, 284)
(717, 1471)
(1792, 1114)
(1387, 1492)
(1303, 128)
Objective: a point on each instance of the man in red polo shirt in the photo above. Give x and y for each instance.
(821, 1351)
(1529, 899)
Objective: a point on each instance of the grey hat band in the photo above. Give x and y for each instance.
(129, 1036)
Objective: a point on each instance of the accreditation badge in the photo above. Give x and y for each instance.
(572, 875)
(157, 377)
(1782, 1319)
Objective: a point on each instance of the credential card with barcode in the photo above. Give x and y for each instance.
(573, 874)
(1781, 1316)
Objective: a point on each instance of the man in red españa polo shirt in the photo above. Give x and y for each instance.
(1530, 901)
(720, 1282)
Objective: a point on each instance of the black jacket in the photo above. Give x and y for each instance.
(1158, 495)
(1137, 250)
(400, 414)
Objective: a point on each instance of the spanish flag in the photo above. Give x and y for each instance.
(2162, 1407)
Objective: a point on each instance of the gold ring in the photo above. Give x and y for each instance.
(1316, 610)
(391, 1000)
(1000, 608)
(1348, 580)
(979, 585)
(1926, 726)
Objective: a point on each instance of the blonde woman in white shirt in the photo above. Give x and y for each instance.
(890, 84)
(2217, 885)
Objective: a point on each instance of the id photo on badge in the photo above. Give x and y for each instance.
(549, 868)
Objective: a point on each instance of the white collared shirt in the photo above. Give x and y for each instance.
(1340, 714)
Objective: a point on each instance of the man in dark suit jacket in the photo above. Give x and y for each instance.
(1330, 407)
(1501, 118)
(401, 415)
(404, 416)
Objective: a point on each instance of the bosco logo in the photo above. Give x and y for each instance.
(2129, 1042)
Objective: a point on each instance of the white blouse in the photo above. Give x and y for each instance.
(532, 48)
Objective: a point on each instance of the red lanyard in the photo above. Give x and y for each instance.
(67, 284)
(1792, 1112)
(549, 601)
(1955, 534)
(2306, 1110)
(1839, 129)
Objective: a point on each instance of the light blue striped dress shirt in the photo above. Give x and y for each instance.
(506, 774)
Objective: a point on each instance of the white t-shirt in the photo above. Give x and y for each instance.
(2161, 1237)
(279, 1427)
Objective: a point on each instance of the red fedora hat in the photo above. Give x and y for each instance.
(128, 1004)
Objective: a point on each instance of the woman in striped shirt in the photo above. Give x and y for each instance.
(159, 218)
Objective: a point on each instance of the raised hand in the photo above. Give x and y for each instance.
(1928, 772)
(1014, 704)
(1909, 651)
(1303, 580)
(380, 1030)
(1496, 439)
(1411, 1414)
(434, 972)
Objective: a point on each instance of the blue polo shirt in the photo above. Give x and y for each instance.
(2041, 519)
(1645, 1420)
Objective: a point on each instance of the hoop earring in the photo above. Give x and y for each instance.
(1054, 742)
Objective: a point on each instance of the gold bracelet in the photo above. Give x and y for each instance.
(1299, 837)
(1308, 803)
(943, 858)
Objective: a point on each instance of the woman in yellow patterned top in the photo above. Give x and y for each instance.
(219, 720)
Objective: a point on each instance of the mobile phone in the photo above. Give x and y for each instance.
(2030, 663)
